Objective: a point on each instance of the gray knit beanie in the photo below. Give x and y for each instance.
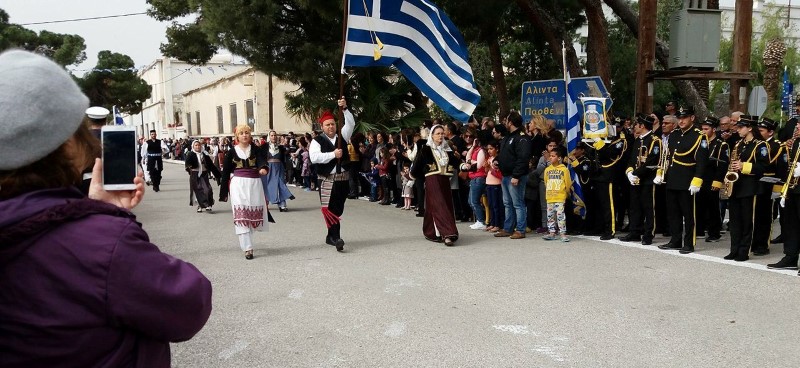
(41, 107)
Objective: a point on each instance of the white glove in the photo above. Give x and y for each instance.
(796, 171)
(775, 195)
(783, 202)
(694, 189)
(632, 178)
(658, 180)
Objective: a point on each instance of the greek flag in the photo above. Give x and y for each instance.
(117, 117)
(576, 194)
(421, 42)
(787, 102)
(573, 120)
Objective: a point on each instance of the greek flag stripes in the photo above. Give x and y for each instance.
(573, 121)
(421, 42)
(117, 117)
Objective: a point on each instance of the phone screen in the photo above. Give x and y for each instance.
(119, 157)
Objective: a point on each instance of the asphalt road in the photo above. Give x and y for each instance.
(393, 299)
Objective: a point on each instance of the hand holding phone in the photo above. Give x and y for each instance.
(119, 157)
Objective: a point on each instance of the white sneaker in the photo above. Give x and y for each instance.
(477, 226)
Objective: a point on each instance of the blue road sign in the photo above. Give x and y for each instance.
(547, 97)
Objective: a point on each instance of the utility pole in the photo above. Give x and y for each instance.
(645, 55)
(742, 39)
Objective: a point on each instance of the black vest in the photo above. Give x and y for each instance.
(154, 147)
(326, 146)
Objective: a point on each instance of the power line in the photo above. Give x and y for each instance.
(82, 19)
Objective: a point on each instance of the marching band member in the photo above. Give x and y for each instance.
(768, 191)
(687, 156)
(641, 171)
(749, 159)
(790, 202)
(608, 155)
(708, 216)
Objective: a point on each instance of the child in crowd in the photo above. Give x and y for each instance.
(494, 193)
(558, 185)
(374, 178)
(408, 186)
(305, 169)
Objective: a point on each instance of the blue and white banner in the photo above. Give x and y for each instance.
(595, 122)
(787, 102)
(117, 116)
(421, 42)
(573, 125)
(576, 194)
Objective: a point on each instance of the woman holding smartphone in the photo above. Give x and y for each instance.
(82, 284)
(241, 181)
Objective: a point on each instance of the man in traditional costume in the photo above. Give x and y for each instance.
(155, 150)
(327, 151)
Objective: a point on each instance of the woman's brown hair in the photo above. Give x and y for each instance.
(56, 170)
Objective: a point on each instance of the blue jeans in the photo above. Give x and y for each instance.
(514, 202)
(476, 189)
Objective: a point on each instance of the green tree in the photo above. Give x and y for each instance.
(64, 49)
(114, 82)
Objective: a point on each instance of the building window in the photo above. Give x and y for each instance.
(189, 123)
(220, 126)
(234, 118)
(251, 116)
(197, 121)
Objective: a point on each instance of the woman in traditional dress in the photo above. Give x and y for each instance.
(274, 182)
(200, 166)
(435, 162)
(243, 168)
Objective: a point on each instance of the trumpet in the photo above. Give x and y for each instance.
(730, 176)
(641, 158)
(663, 163)
(791, 181)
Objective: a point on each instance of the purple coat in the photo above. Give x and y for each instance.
(82, 286)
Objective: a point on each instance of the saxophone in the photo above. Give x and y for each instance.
(641, 158)
(730, 176)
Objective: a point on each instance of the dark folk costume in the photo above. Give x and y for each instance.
(437, 166)
(333, 176)
(754, 155)
(154, 162)
(200, 166)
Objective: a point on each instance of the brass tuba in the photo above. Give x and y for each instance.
(663, 163)
(730, 176)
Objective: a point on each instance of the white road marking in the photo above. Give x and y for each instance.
(296, 294)
(395, 285)
(396, 329)
(515, 329)
(238, 347)
(701, 257)
(549, 351)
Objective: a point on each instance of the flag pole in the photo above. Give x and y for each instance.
(345, 12)
(566, 88)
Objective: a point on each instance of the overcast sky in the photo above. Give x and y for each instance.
(136, 36)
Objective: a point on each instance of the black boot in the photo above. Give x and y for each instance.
(787, 263)
(778, 240)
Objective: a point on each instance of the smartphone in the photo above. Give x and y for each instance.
(119, 157)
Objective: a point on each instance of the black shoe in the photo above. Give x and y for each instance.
(606, 237)
(647, 241)
(686, 250)
(398, 205)
(338, 243)
(352, 197)
(449, 242)
(713, 239)
(778, 240)
(667, 235)
(385, 203)
(248, 255)
(420, 215)
(761, 252)
(786, 263)
(741, 258)
(670, 246)
(730, 256)
(283, 209)
(625, 229)
(630, 238)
